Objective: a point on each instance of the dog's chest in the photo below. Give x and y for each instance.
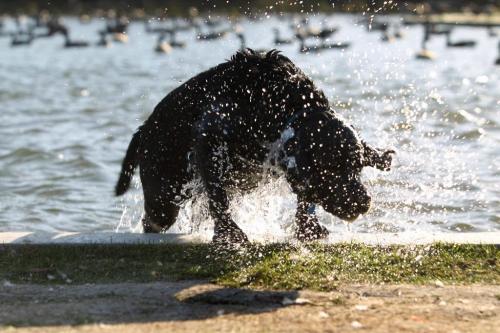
(242, 169)
(246, 173)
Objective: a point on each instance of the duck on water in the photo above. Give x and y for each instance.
(69, 43)
(461, 43)
(162, 46)
(303, 48)
(278, 40)
(424, 53)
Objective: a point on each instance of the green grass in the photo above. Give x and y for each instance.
(275, 266)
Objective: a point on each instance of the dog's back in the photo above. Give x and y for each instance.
(254, 92)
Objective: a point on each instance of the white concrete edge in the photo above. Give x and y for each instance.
(404, 238)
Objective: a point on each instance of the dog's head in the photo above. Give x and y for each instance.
(329, 157)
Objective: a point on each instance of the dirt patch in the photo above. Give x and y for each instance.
(193, 306)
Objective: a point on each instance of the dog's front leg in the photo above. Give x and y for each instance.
(225, 229)
(308, 227)
(212, 162)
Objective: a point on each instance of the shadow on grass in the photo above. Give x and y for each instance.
(57, 284)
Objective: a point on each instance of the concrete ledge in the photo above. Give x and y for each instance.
(95, 238)
(405, 238)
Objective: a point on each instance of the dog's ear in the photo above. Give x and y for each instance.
(375, 158)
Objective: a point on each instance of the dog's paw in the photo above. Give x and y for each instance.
(311, 231)
(230, 236)
(151, 227)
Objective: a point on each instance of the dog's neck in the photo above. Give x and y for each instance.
(278, 154)
(282, 152)
(286, 161)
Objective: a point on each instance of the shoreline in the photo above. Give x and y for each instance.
(403, 238)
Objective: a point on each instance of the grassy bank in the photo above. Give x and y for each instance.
(276, 266)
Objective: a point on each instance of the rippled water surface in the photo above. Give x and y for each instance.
(66, 118)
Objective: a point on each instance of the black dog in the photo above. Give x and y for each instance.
(224, 124)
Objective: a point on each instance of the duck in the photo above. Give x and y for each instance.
(68, 43)
(120, 37)
(462, 43)
(181, 25)
(497, 62)
(117, 25)
(103, 41)
(209, 36)
(337, 45)
(42, 18)
(278, 40)
(398, 34)
(84, 18)
(303, 48)
(155, 30)
(53, 27)
(213, 22)
(2, 26)
(387, 37)
(162, 46)
(322, 34)
(373, 25)
(436, 29)
(174, 43)
(425, 54)
(243, 45)
(22, 39)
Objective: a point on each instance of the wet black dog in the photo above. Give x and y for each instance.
(226, 123)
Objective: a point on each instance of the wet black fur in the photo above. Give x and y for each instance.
(219, 126)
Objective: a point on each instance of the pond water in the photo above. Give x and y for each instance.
(67, 115)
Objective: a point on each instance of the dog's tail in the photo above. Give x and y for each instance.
(129, 164)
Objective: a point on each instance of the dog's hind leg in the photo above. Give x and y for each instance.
(308, 227)
(159, 219)
(161, 185)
